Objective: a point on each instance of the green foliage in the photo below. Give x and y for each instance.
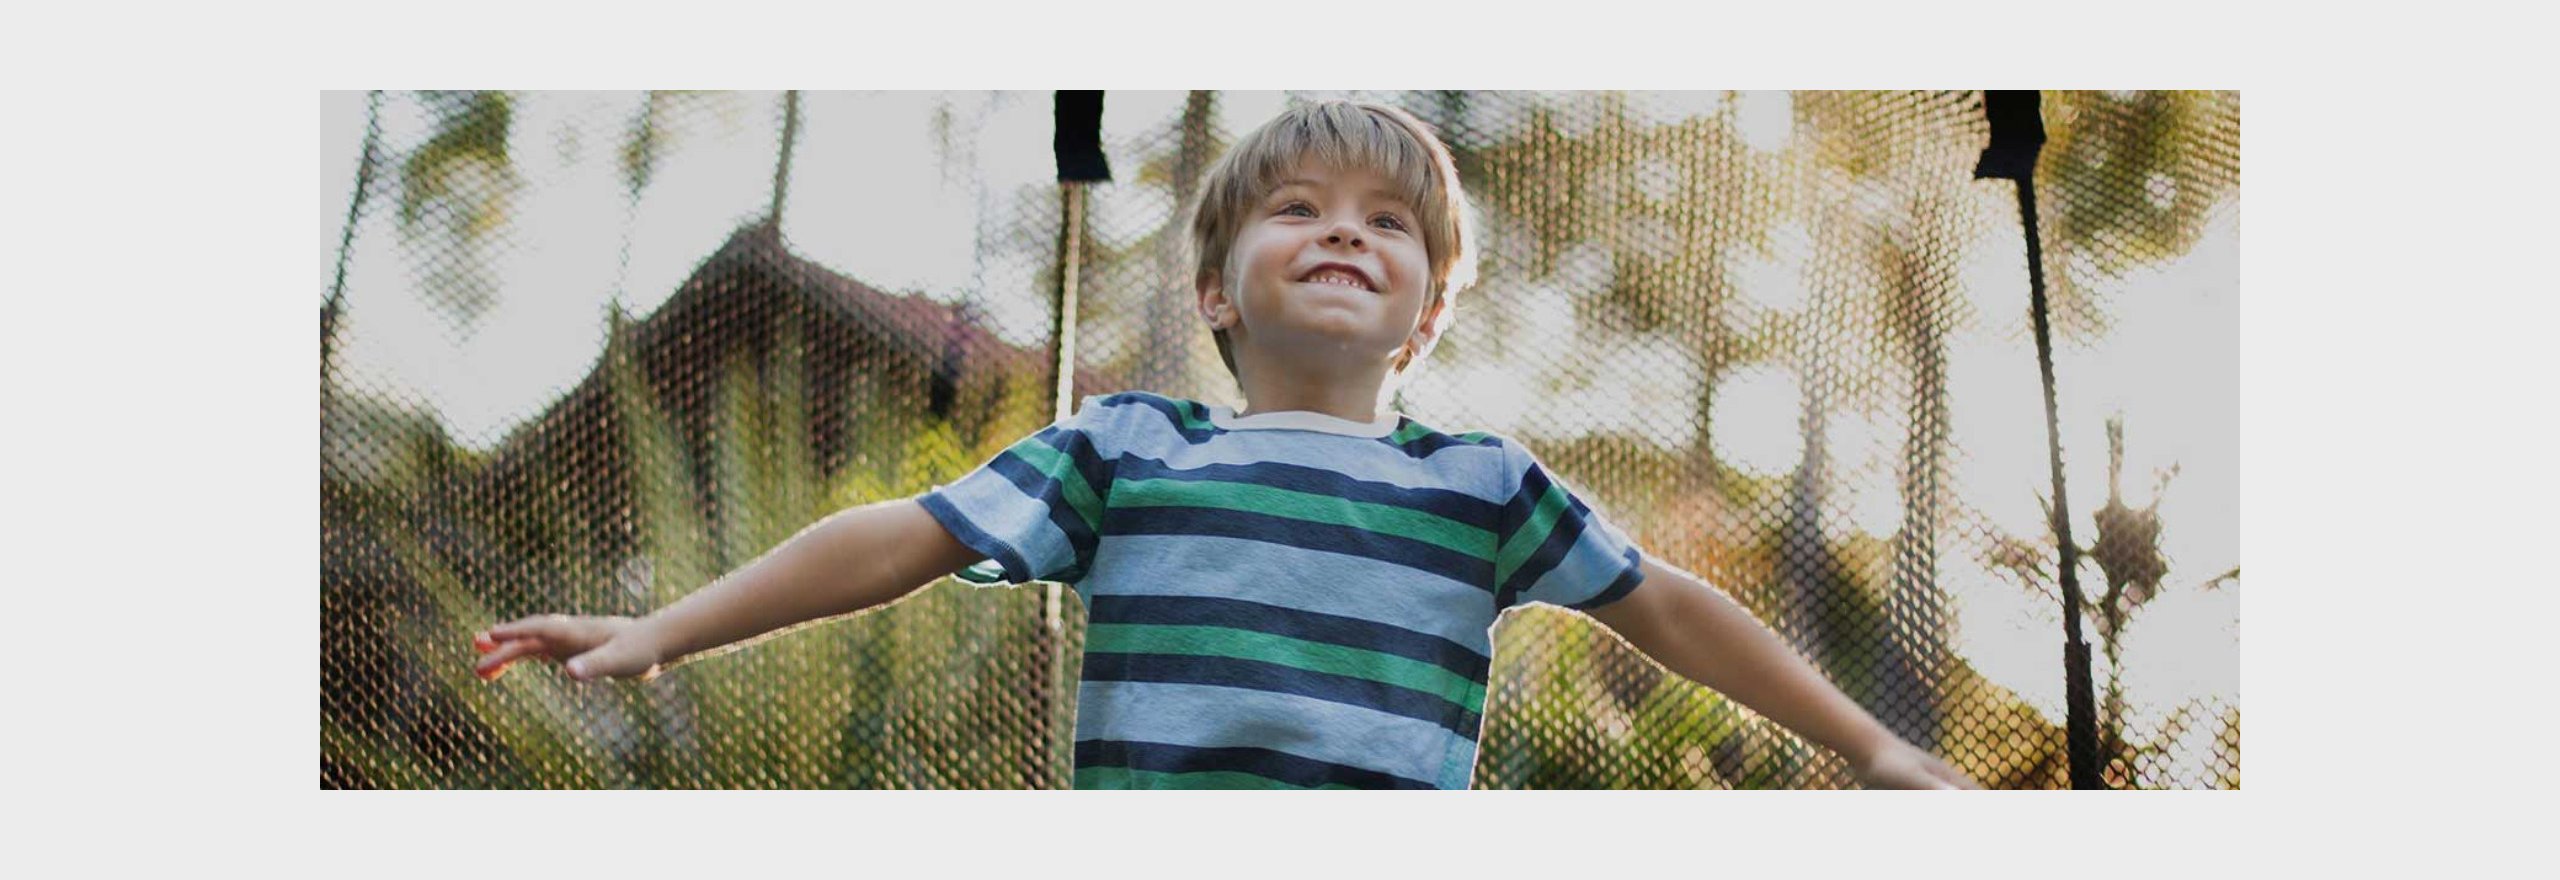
(473, 131)
(456, 194)
(538, 725)
(926, 693)
(2134, 187)
(1556, 722)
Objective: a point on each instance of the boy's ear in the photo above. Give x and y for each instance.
(1427, 331)
(1214, 307)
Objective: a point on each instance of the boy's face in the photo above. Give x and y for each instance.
(1330, 265)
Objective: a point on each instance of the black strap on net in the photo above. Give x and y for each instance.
(2017, 136)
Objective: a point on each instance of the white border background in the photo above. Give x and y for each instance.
(156, 347)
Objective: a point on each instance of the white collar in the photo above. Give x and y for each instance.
(1303, 420)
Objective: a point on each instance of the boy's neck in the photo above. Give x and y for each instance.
(1350, 398)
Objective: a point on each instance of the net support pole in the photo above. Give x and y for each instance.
(782, 165)
(1071, 194)
(1078, 146)
(2017, 136)
(346, 238)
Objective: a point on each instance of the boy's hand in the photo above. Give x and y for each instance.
(1903, 765)
(589, 648)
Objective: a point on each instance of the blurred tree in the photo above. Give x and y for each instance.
(2128, 178)
(457, 189)
(1171, 328)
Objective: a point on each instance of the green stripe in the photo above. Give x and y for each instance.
(1413, 431)
(1525, 542)
(1195, 417)
(1253, 498)
(1121, 777)
(1245, 644)
(1062, 468)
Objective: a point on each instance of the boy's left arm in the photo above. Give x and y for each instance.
(1695, 630)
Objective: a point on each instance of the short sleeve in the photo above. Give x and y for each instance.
(1553, 548)
(1036, 508)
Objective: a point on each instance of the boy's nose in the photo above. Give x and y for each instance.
(1339, 235)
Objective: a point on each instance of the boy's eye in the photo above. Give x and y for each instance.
(1392, 221)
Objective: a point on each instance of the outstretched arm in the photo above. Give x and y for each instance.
(1694, 629)
(852, 560)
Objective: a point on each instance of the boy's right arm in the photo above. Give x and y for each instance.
(852, 560)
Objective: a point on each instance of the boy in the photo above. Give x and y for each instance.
(1299, 595)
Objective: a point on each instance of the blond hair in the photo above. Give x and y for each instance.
(1341, 134)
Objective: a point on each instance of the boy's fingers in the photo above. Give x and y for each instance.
(529, 626)
(495, 663)
(584, 666)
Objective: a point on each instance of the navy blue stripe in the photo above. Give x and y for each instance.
(1268, 764)
(1618, 589)
(1559, 543)
(1349, 632)
(1173, 412)
(1454, 506)
(969, 535)
(1276, 678)
(1078, 448)
(1524, 503)
(1285, 532)
(1037, 484)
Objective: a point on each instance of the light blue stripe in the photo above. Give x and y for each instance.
(1204, 716)
(1596, 560)
(1475, 471)
(1297, 579)
(1106, 427)
(998, 507)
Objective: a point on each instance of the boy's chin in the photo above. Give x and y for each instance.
(1336, 327)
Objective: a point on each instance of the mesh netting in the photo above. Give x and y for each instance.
(586, 352)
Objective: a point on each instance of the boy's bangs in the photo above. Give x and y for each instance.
(1346, 137)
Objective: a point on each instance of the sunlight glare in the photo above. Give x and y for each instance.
(1755, 423)
(1767, 119)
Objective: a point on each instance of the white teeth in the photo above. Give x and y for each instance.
(1340, 278)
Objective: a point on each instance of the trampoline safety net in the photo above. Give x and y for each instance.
(586, 352)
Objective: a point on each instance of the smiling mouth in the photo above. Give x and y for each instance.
(1336, 274)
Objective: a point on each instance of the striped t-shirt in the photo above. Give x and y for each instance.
(1284, 599)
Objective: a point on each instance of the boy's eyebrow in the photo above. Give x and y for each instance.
(1381, 192)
